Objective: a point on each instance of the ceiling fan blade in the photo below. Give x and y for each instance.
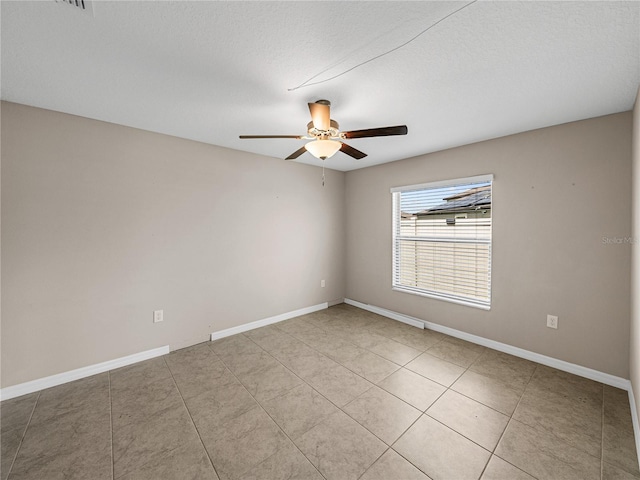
(377, 132)
(270, 136)
(320, 115)
(352, 152)
(296, 154)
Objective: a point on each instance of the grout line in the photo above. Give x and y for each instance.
(190, 416)
(268, 414)
(111, 425)
(449, 388)
(468, 368)
(341, 408)
(148, 419)
(333, 334)
(401, 366)
(406, 430)
(317, 351)
(24, 433)
(509, 422)
(373, 385)
(144, 421)
(478, 401)
(446, 389)
(371, 330)
(374, 462)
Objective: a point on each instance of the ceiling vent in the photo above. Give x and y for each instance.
(85, 6)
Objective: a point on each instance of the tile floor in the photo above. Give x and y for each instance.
(337, 394)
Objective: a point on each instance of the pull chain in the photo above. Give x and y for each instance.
(323, 173)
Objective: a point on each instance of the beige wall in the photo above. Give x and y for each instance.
(634, 357)
(557, 192)
(102, 224)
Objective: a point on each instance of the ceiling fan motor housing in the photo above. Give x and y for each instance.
(333, 132)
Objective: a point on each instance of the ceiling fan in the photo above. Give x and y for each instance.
(326, 135)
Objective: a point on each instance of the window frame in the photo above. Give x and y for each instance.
(457, 299)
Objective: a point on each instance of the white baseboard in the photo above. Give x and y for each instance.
(634, 420)
(267, 321)
(579, 370)
(65, 377)
(414, 322)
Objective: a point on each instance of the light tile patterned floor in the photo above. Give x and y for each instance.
(337, 394)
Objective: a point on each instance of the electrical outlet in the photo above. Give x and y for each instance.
(158, 316)
(322, 284)
(552, 321)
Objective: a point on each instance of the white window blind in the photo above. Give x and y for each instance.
(442, 240)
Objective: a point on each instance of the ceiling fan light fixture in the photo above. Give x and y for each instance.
(323, 149)
(328, 136)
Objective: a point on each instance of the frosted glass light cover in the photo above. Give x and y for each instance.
(323, 148)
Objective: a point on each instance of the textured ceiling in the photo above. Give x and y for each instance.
(210, 71)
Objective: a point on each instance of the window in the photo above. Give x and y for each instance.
(442, 240)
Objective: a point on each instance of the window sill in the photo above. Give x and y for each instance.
(466, 303)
